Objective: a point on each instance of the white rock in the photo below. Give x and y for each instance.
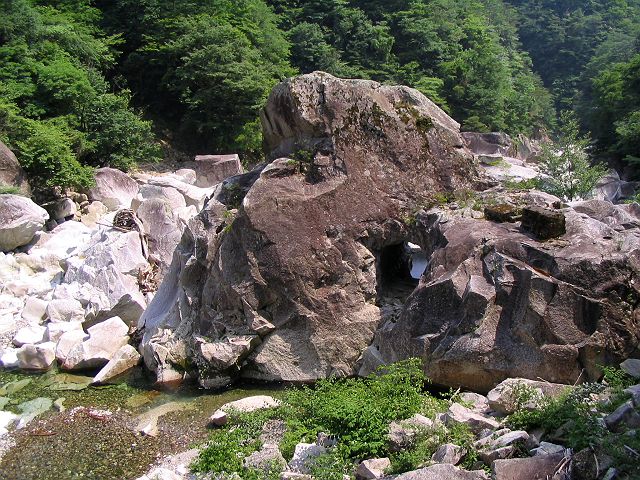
(124, 359)
(65, 310)
(186, 175)
(56, 330)
(68, 342)
(193, 195)
(374, 468)
(9, 358)
(6, 420)
(459, 414)
(245, 405)
(34, 310)
(20, 220)
(92, 213)
(303, 454)
(115, 189)
(37, 357)
(30, 334)
(105, 339)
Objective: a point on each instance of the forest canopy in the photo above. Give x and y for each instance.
(92, 83)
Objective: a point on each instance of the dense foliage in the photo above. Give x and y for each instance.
(57, 111)
(71, 70)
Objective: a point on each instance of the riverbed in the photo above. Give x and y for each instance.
(93, 432)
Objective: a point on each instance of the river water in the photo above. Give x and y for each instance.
(91, 432)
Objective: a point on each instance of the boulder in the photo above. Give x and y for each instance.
(168, 195)
(54, 331)
(448, 453)
(65, 310)
(544, 223)
(29, 334)
(113, 188)
(402, 434)
(244, 405)
(504, 396)
(479, 403)
(193, 195)
(351, 158)
(373, 468)
(442, 472)
(20, 220)
(266, 459)
(631, 367)
(11, 173)
(123, 360)
(475, 421)
(34, 310)
(163, 228)
(92, 213)
(67, 342)
(623, 418)
(105, 340)
(303, 455)
(545, 467)
(37, 357)
(212, 169)
(496, 143)
(496, 303)
(60, 209)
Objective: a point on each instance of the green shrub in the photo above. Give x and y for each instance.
(9, 189)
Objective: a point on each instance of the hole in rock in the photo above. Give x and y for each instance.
(399, 268)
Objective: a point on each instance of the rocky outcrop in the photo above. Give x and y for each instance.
(284, 287)
(11, 173)
(20, 220)
(496, 302)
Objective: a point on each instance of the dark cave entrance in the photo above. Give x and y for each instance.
(399, 268)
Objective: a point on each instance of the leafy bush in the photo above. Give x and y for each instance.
(566, 163)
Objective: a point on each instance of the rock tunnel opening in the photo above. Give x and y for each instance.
(399, 268)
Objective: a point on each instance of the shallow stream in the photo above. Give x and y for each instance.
(93, 432)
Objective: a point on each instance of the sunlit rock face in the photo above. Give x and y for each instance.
(285, 287)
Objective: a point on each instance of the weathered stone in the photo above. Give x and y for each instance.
(496, 303)
(20, 220)
(37, 357)
(212, 169)
(56, 330)
(488, 456)
(402, 434)
(546, 467)
(503, 398)
(301, 251)
(544, 223)
(9, 358)
(34, 310)
(479, 403)
(123, 360)
(547, 448)
(30, 334)
(489, 143)
(105, 339)
(303, 455)
(92, 213)
(631, 367)
(113, 188)
(373, 468)
(442, 472)
(623, 418)
(448, 453)
(503, 212)
(193, 195)
(61, 209)
(67, 342)
(267, 459)
(245, 405)
(169, 195)
(65, 310)
(163, 229)
(476, 422)
(11, 173)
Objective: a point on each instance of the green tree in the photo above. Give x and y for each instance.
(566, 163)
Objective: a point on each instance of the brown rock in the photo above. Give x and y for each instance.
(544, 223)
(545, 467)
(212, 169)
(301, 250)
(502, 212)
(11, 173)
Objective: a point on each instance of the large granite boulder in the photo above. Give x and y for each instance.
(284, 287)
(115, 189)
(20, 220)
(11, 173)
(496, 302)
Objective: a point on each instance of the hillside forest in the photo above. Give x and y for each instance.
(118, 82)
